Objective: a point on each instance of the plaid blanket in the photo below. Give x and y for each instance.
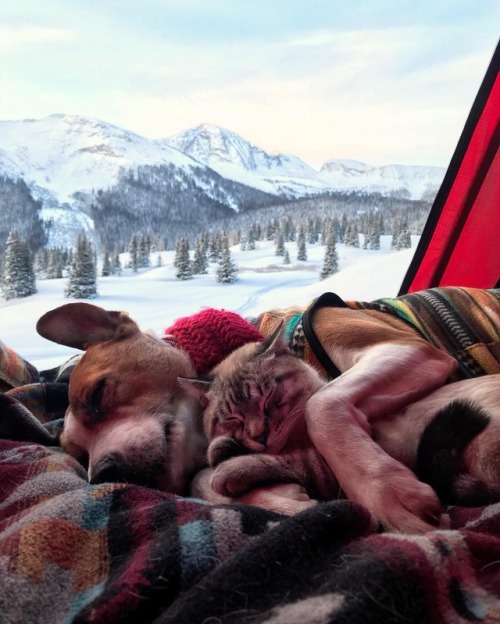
(113, 553)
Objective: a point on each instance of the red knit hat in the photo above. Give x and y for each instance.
(210, 336)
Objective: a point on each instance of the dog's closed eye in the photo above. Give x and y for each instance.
(95, 402)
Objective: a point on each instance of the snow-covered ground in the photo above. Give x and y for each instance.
(155, 298)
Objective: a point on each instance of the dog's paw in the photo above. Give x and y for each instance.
(404, 504)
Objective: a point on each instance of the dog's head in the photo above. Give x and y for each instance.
(128, 415)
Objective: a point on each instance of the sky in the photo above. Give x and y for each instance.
(381, 81)
(154, 298)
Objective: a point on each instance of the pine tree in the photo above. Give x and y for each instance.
(312, 234)
(28, 268)
(41, 263)
(342, 227)
(82, 282)
(227, 271)
(205, 241)
(18, 275)
(55, 265)
(271, 230)
(403, 241)
(286, 257)
(280, 243)
(178, 244)
(117, 264)
(331, 259)
(401, 238)
(214, 247)
(107, 268)
(371, 231)
(351, 235)
(133, 250)
(251, 237)
(301, 244)
(375, 233)
(200, 259)
(182, 261)
(285, 228)
(143, 251)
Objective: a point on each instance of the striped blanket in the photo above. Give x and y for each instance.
(117, 553)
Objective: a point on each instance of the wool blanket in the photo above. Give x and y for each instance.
(118, 553)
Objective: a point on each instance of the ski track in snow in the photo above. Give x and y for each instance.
(254, 299)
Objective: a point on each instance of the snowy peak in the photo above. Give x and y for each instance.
(235, 158)
(417, 180)
(347, 168)
(66, 153)
(218, 147)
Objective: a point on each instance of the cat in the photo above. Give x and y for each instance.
(254, 418)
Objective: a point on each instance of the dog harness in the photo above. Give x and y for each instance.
(464, 322)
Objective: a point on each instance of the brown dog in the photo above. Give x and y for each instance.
(128, 414)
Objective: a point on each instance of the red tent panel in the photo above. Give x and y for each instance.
(460, 244)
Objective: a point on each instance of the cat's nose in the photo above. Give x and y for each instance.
(261, 439)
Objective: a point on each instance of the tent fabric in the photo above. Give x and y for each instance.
(460, 244)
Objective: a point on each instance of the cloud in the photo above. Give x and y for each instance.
(21, 36)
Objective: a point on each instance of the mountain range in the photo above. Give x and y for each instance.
(66, 161)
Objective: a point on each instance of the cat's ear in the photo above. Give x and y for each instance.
(197, 387)
(274, 343)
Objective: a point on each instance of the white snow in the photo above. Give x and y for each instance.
(155, 298)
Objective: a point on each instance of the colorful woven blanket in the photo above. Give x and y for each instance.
(115, 553)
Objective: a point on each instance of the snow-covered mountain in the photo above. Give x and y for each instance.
(419, 181)
(234, 157)
(64, 158)
(67, 153)
(62, 154)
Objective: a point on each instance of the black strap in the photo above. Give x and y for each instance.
(330, 300)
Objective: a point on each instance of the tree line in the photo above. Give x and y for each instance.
(79, 266)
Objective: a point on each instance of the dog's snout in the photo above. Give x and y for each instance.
(116, 469)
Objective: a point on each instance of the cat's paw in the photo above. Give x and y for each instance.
(235, 476)
(201, 487)
(223, 448)
(402, 503)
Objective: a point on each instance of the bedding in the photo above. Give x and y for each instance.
(75, 552)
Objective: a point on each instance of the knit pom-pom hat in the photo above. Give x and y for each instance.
(210, 336)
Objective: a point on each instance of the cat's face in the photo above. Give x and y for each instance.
(257, 396)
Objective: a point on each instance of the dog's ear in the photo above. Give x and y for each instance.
(79, 325)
